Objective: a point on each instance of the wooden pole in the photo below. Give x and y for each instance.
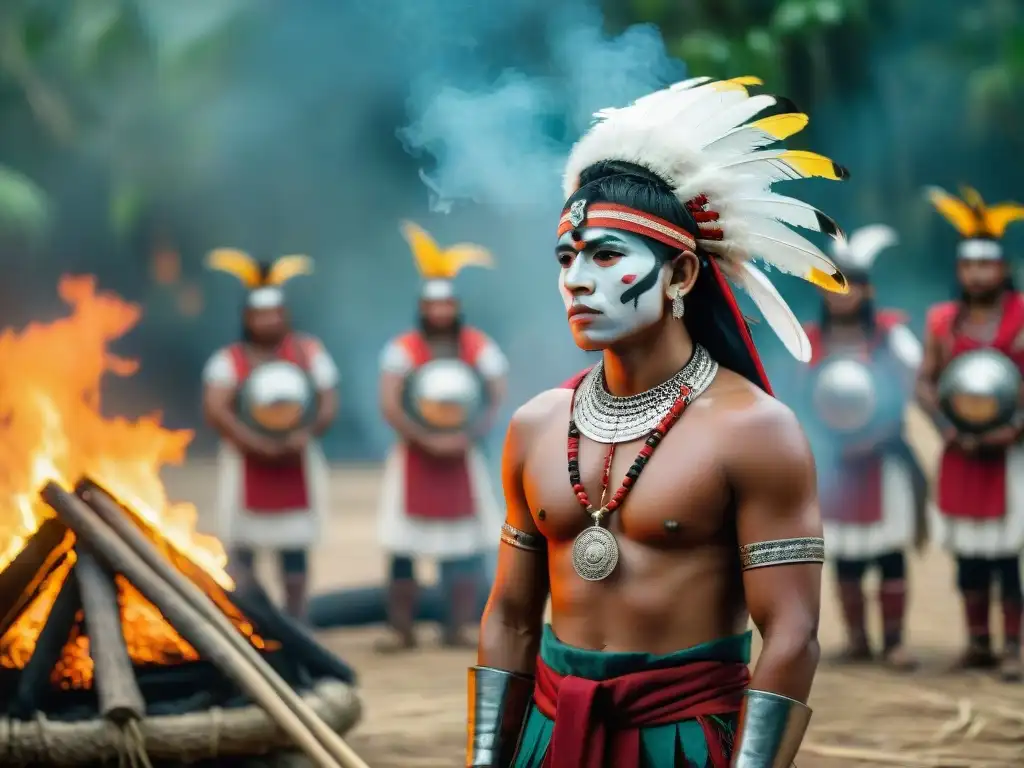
(23, 576)
(188, 621)
(34, 681)
(110, 512)
(116, 688)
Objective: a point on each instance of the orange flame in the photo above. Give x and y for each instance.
(52, 428)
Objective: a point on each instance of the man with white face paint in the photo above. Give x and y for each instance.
(664, 496)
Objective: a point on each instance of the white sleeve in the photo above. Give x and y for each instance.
(322, 369)
(394, 359)
(219, 370)
(491, 361)
(906, 347)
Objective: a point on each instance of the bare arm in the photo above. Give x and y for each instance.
(391, 408)
(496, 389)
(219, 413)
(926, 387)
(326, 410)
(501, 685)
(777, 502)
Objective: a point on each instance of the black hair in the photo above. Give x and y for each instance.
(709, 319)
(428, 330)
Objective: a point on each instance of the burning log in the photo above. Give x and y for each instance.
(253, 602)
(22, 577)
(32, 685)
(119, 695)
(246, 668)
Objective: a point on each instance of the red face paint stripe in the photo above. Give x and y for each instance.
(629, 279)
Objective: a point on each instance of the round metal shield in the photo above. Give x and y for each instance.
(277, 398)
(845, 395)
(978, 390)
(445, 395)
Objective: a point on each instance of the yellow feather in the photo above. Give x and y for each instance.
(425, 251)
(287, 267)
(237, 263)
(811, 164)
(998, 217)
(782, 126)
(746, 80)
(834, 283)
(466, 255)
(973, 198)
(955, 211)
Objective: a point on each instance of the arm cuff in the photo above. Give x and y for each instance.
(498, 702)
(771, 729)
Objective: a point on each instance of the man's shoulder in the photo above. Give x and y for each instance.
(939, 317)
(750, 418)
(536, 412)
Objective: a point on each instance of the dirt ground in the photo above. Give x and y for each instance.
(415, 705)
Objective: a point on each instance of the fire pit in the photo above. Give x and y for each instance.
(121, 636)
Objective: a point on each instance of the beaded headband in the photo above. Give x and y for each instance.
(621, 217)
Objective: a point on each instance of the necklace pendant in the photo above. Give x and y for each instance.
(595, 553)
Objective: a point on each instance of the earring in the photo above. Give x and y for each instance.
(678, 305)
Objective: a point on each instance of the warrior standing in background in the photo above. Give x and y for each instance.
(980, 486)
(438, 500)
(272, 484)
(664, 497)
(872, 490)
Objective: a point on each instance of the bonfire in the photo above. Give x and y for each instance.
(114, 609)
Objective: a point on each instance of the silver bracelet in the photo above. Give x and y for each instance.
(761, 554)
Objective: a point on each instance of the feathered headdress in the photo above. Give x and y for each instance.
(439, 266)
(981, 226)
(262, 279)
(700, 137)
(856, 255)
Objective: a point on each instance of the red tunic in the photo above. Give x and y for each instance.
(280, 485)
(597, 722)
(974, 487)
(854, 495)
(439, 487)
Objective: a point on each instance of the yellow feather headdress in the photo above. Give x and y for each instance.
(436, 263)
(254, 274)
(971, 217)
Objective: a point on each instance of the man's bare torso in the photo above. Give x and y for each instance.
(678, 581)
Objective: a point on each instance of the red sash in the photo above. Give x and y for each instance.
(274, 486)
(597, 722)
(853, 494)
(974, 487)
(438, 487)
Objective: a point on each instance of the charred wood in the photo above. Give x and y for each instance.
(24, 575)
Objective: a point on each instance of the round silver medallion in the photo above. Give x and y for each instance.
(595, 554)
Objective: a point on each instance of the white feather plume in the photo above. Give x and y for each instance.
(864, 245)
(774, 309)
(696, 135)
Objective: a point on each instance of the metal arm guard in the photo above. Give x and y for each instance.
(498, 701)
(771, 729)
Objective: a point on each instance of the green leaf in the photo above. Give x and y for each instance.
(24, 207)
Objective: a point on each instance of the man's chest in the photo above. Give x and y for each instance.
(679, 498)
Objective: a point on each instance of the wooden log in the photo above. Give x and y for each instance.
(34, 681)
(23, 576)
(195, 628)
(113, 676)
(108, 513)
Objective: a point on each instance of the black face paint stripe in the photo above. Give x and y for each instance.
(641, 286)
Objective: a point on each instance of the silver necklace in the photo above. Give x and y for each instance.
(604, 418)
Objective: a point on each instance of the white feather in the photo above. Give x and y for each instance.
(864, 245)
(740, 141)
(780, 246)
(767, 165)
(774, 309)
(718, 125)
(769, 205)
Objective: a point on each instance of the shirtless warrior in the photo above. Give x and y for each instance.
(272, 492)
(979, 499)
(438, 500)
(665, 496)
(872, 490)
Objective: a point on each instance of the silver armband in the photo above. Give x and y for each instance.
(498, 703)
(809, 549)
(521, 539)
(770, 730)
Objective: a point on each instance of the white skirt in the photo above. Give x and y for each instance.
(288, 529)
(893, 533)
(990, 539)
(402, 535)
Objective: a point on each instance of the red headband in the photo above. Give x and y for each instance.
(621, 217)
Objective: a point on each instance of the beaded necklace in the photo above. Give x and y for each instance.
(595, 553)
